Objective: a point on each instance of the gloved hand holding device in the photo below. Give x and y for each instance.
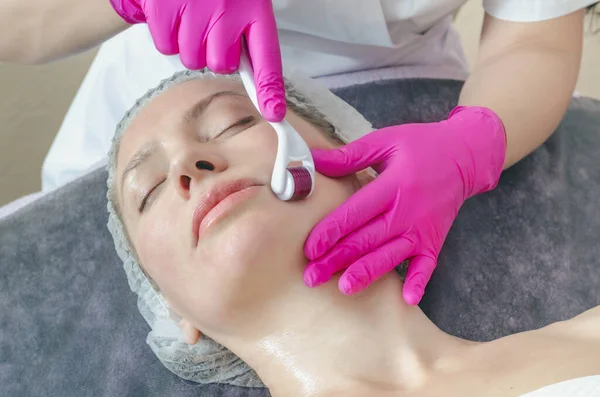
(208, 33)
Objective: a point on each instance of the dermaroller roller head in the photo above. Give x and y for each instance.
(288, 183)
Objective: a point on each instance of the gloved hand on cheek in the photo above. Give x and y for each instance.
(427, 171)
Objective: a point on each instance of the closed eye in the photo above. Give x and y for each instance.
(243, 122)
(148, 197)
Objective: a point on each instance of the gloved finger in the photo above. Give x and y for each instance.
(353, 157)
(418, 275)
(348, 250)
(265, 55)
(374, 265)
(163, 31)
(223, 46)
(364, 205)
(192, 46)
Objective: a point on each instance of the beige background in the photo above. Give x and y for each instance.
(34, 100)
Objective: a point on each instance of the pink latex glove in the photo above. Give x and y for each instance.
(426, 173)
(208, 33)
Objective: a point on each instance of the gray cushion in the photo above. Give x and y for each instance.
(518, 258)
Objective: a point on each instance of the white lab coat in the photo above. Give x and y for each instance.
(338, 41)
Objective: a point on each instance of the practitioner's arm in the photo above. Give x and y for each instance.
(38, 31)
(526, 73)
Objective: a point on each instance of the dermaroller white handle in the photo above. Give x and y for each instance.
(290, 146)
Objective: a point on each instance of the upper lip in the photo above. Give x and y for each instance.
(213, 196)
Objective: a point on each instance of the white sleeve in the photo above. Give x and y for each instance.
(125, 67)
(532, 10)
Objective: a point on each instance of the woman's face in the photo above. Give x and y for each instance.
(221, 258)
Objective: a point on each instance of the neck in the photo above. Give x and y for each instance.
(325, 344)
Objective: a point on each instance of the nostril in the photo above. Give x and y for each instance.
(185, 182)
(205, 165)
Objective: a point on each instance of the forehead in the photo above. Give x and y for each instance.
(166, 111)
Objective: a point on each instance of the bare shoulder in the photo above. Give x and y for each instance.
(586, 325)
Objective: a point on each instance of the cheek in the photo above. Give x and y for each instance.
(257, 146)
(157, 249)
(163, 242)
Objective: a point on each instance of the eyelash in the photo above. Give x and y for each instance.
(241, 122)
(147, 196)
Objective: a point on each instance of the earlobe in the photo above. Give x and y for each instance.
(191, 333)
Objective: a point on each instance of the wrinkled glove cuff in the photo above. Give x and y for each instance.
(486, 147)
(129, 10)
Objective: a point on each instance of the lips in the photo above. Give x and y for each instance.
(212, 198)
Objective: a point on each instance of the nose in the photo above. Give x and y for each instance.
(190, 168)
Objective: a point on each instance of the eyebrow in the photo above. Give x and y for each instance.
(200, 107)
(149, 149)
